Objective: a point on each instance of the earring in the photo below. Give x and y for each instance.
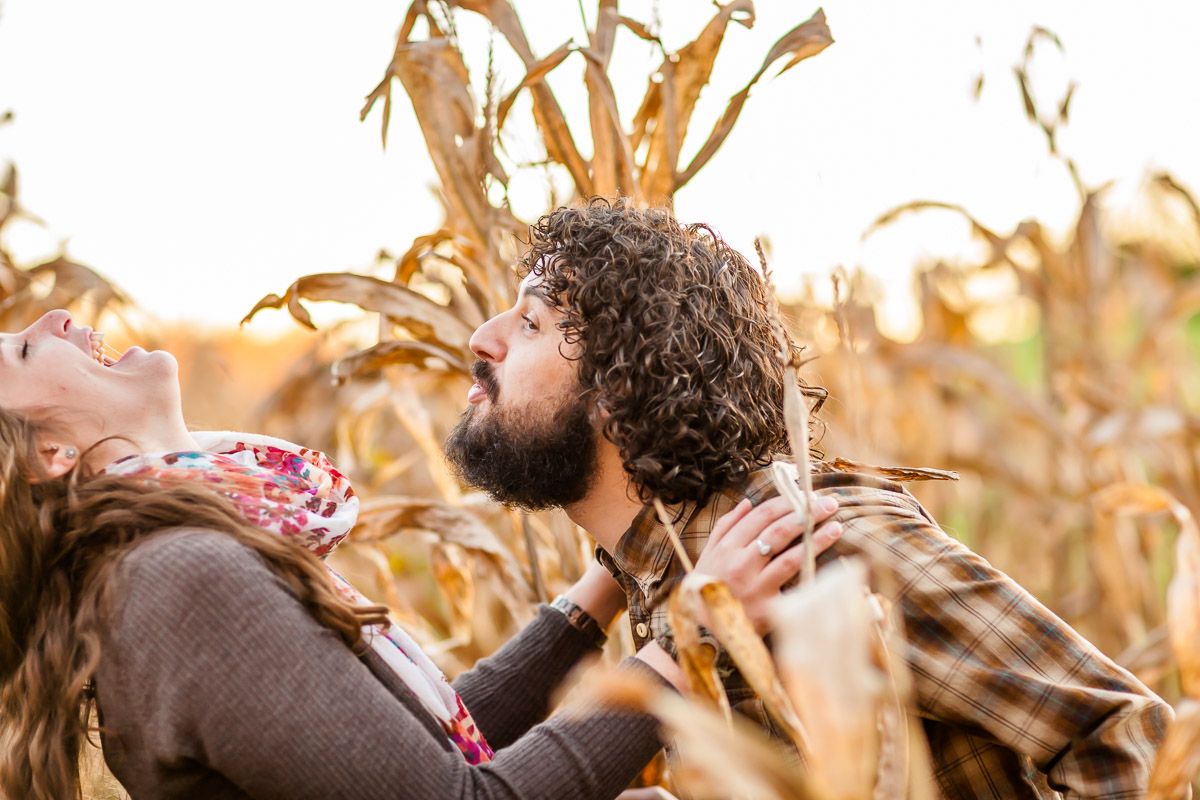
(70, 452)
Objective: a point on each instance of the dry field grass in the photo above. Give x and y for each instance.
(1054, 375)
(1057, 376)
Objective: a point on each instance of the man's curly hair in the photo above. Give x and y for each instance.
(676, 343)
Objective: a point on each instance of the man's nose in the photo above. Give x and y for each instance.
(486, 342)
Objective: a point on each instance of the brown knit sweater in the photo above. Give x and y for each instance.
(216, 683)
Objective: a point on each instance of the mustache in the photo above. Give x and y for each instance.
(484, 374)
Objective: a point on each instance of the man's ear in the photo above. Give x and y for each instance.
(57, 458)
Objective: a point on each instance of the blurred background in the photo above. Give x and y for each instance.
(980, 219)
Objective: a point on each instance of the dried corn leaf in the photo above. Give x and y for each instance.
(437, 83)
(523, 521)
(1145, 423)
(639, 30)
(489, 288)
(405, 401)
(1167, 181)
(647, 112)
(684, 74)
(612, 155)
(1041, 32)
(736, 633)
(73, 281)
(382, 517)
(1114, 559)
(573, 546)
(1064, 106)
(904, 767)
(1183, 593)
(396, 352)
(380, 571)
(697, 660)
(1179, 757)
(453, 572)
(890, 216)
(795, 414)
(894, 473)
(420, 316)
(954, 360)
(1150, 658)
(718, 760)
(1135, 498)
(789, 482)
(804, 41)
(547, 114)
(612, 159)
(1183, 606)
(823, 642)
(410, 262)
(9, 205)
(535, 74)
(9, 186)
(1026, 98)
(384, 88)
(601, 38)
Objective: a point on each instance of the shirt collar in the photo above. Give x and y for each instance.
(644, 550)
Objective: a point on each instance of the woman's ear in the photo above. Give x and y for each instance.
(58, 459)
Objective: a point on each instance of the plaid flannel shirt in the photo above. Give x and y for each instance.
(1014, 701)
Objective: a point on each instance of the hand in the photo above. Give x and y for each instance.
(733, 553)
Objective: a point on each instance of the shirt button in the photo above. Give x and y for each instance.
(642, 630)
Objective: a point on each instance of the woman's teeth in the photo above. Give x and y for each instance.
(104, 354)
(97, 341)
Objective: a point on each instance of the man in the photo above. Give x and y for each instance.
(638, 362)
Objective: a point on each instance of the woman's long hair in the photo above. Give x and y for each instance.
(60, 541)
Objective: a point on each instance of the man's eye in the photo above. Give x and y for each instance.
(529, 323)
(25, 349)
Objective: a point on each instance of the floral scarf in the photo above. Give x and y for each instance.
(297, 493)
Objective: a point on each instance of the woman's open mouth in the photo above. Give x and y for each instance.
(96, 339)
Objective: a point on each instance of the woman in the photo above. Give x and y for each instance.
(223, 661)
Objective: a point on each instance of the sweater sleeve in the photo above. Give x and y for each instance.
(218, 664)
(511, 690)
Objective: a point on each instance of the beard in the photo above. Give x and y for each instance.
(538, 457)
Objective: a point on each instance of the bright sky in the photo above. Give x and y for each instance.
(204, 155)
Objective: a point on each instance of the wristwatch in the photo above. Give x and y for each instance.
(580, 620)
